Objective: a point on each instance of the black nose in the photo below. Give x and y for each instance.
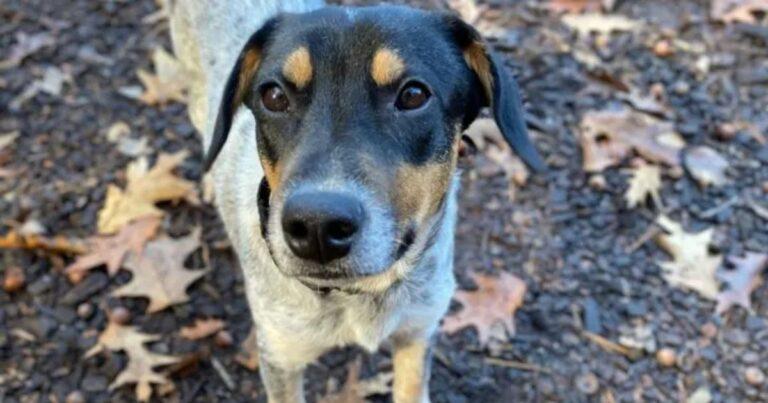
(321, 226)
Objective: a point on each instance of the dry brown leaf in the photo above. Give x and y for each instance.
(169, 83)
(734, 11)
(159, 273)
(145, 187)
(111, 250)
(693, 266)
(573, 6)
(202, 329)
(141, 361)
(706, 165)
(356, 390)
(588, 23)
(645, 181)
(26, 45)
(607, 137)
(741, 281)
(248, 356)
(490, 309)
(488, 138)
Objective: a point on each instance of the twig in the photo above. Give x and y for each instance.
(611, 346)
(759, 210)
(223, 373)
(649, 233)
(13, 240)
(524, 366)
(717, 209)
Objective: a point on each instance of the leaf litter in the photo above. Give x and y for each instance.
(744, 278)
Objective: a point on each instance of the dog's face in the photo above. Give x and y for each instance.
(359, 116)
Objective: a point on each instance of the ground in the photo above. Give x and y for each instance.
(570, 237)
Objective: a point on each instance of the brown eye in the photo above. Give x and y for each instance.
(274, 99)
(412, 96)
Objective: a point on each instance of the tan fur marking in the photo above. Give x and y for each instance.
(478, 61)
(387, 67)
(410, 384)
(248, 69)
(272, 173)
(420, 189)
(298, 67)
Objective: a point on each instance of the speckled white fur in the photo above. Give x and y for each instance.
(295, 325)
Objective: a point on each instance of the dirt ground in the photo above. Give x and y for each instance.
(570, 237)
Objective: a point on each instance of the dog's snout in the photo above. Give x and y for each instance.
(321, 226)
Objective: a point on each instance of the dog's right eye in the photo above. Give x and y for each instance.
(274, 99)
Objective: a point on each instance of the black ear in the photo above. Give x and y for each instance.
(237, 86)
(500, 90)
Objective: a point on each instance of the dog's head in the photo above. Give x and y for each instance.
(359, 117)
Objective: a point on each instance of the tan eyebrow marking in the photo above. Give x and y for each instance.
(387, 67)
(298, 67)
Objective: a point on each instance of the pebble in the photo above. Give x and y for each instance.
(587, 383)
(75, 397)
(120, 315)
(223, 339)
(666, 357)
(84, 310)
(85, 289)
(709, 330)
(754, 376)
(94, 383)
(592, 316)
(737, 337)
(750, 358)
(681, 88)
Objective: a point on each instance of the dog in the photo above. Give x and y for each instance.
(332, 138)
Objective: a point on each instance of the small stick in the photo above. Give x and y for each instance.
(524, 366)
(649, 233)
(717, 209)
(14, 240)
(223, 373)
(611, 346)
(759, 210)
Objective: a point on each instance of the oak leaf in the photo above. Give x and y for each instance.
(693, 266)
(607, 137)
(144, 188)
(573, 6)
(706, 165)
(201, 329)
(733, 11)
(741, 281)
(141, 361)
(645, 181)
(490, 309)
(159, 273)
(111, 250)
(169, 83)
(356, 390)
(588, 23)
(487, 137)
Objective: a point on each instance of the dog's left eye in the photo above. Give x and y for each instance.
(413, 96)
(274, 99)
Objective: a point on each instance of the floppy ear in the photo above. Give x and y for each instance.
(237, 87)
(500, 90)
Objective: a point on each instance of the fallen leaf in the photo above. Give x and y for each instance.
(111, 250)
(607, 137)
(51, 83)
(573, 6)
(141, 361)
(169, 83)
(488, 138)
(490, 309)
(26, 45)
(356, 390)
(588, 23)
(741, 281)
(693, 266)
(248, 356)
(163, 13)
(202, 329)
(467, 9)
(701, 395)
(645, 181)
(6, 139)
(639, 337)
(734, 11)
(706, 165)
(159, 273)
(144, 188)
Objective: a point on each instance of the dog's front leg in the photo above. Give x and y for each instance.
(283, 386)
(412, 359)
